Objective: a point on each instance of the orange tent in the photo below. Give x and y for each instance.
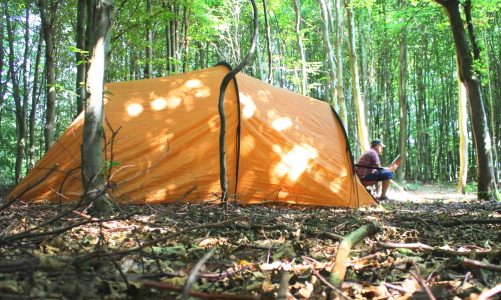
(281, 147)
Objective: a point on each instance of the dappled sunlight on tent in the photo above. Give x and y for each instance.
(134, 109)
(281, 124)
(335, 185)
(264, 95)
(158, 103)
(247, 145)
(214, 123)
(193, 83)
(248, 106)
(293, 163)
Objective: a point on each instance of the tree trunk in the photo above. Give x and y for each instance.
(463, 137)
(92, 149)
(268, 42)
(338, 16)
(299, 37)
(485, 168)
(330, 55)
(20, 109)
(149, 42)
(2, 58)
(186, 40)
(34, 104)
(402, 96)
(48, 16)
(355, 81)
(79, 55)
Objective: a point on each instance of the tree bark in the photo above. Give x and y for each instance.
(463, 137)
(2, 63)
(149, 42)
(20, 108)
(485, 168)
(338, 16)
(300, 45)
(355, 81)
(79, 56)
(402, 96)
(330, 55)
(48, 17)
(268, 42)
(34, 103)
(92, 149)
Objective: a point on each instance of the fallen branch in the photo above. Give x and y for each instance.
(323, 280)
(471, 221)
(475, 264)
(170, 287)
(194, 274)
(27, 189)
(438, 251)
(343, 252)
(485, 295)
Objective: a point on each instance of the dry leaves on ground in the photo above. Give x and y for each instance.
(448, 249)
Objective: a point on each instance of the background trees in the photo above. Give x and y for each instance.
(406, 65)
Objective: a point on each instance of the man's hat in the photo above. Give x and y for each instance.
(377, 142)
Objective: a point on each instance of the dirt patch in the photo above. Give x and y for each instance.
(438, 243)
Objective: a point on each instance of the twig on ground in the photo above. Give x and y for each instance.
(438, 251)
(284, 285)
(192, 278)
(31, 186)
(475, 264)
(170, 287)
(323, 279)
(485, 295)
(343, 252)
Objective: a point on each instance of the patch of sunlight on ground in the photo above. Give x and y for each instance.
(428, 195)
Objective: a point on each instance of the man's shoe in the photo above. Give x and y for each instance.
(383, 198)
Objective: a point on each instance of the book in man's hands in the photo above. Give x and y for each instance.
(396, 162)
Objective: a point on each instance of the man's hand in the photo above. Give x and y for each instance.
(391, 168)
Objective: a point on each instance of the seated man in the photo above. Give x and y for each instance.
(368, 167)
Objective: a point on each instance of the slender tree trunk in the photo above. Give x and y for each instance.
(149, 42)
(485, 168)
(330, 55)
(363, 138)
(34, 104)
(26, 72)
(338, 16)
(268, 42)
(300, 45)
(260, 68)
(20, 109)
(48, 16)
(79, 56)
(2, 63)
(402, 96)
(186, 41)
(92, 149)
(463, 137)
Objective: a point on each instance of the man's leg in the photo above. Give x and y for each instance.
(385, 184)
(384, 177)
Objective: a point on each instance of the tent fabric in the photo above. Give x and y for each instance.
(281, 147)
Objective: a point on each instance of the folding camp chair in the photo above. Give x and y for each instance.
(371, 186)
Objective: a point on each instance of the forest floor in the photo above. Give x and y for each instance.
(430, 242)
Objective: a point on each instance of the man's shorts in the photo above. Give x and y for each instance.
(379, 176)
